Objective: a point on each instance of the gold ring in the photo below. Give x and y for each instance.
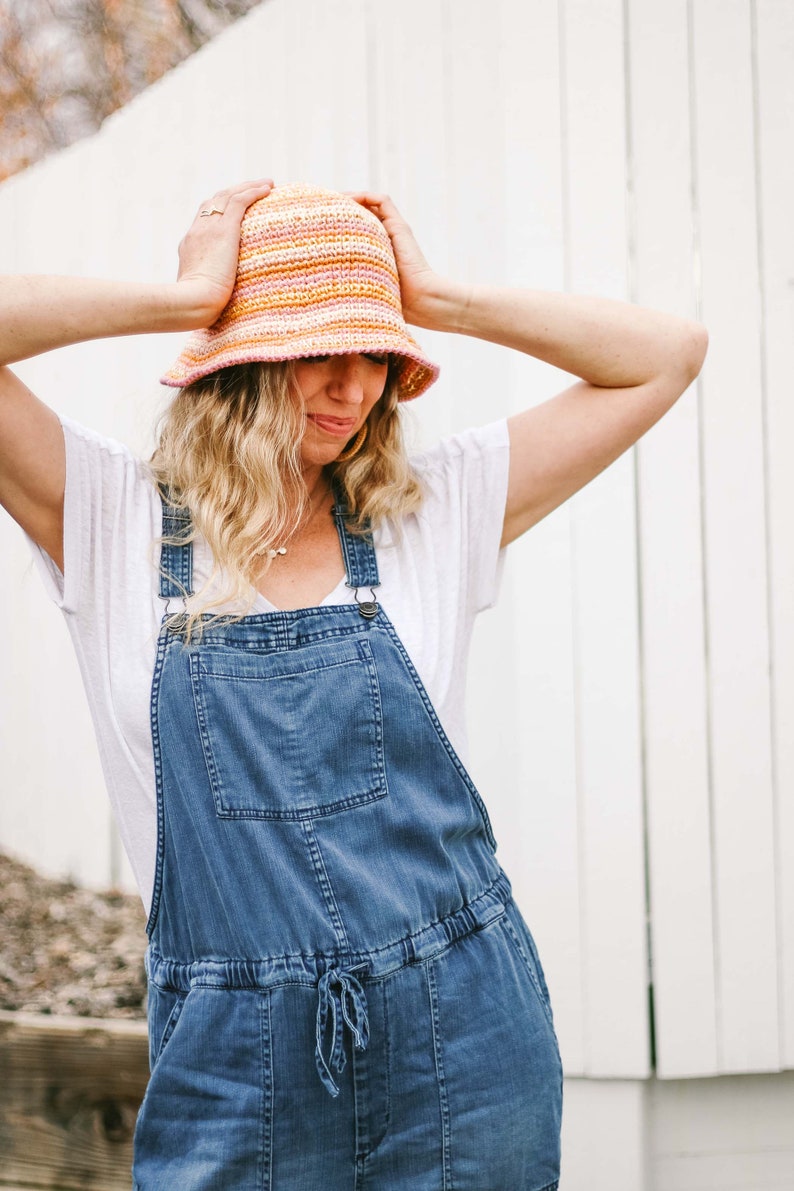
(211, 211)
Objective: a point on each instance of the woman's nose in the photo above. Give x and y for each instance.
(347, 382)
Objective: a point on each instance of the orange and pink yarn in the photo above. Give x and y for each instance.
(316, 276)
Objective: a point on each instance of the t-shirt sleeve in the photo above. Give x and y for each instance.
(465, 482)
(103, 483)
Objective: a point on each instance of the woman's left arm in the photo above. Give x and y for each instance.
(633, 363)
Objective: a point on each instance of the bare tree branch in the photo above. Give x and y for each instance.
(65, 65)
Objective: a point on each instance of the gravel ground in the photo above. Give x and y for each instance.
(69, 950)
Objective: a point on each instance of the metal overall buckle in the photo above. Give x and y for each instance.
(367, 608)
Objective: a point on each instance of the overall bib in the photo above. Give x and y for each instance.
(342, 993)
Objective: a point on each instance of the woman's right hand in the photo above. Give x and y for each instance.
(40, 313)
(209, 250)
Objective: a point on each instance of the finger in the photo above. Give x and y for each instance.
(370, 196)
(249, 190)
(242, 199)
(381, 205)
(253, 184)
(367, 197)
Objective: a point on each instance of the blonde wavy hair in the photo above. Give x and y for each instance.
(229, 451)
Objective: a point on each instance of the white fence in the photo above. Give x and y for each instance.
(632, 698)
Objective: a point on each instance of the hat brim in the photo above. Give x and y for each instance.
(208, 351)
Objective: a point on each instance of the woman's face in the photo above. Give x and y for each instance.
(338, 393)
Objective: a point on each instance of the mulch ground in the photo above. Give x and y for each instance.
(64, 949)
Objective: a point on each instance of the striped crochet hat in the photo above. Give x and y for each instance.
(316, 276)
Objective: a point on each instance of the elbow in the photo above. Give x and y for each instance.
(693, 350)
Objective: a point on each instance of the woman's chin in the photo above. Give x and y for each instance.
(320, 454)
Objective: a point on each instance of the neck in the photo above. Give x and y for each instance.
(318, 487)
(316, 482)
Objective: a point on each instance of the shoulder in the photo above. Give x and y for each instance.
(463, 480)
(478, 446)
(452, 541)
(474, 463)
(98, 458)
(92, 441)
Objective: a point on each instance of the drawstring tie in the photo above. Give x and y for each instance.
(340, 999)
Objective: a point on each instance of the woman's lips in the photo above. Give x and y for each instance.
(338, 427)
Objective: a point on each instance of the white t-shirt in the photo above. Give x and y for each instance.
(434, 580)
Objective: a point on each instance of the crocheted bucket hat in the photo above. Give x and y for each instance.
(316, 276)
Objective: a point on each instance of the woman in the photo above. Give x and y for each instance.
(342, 992)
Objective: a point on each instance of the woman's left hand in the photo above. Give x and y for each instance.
(428, 300)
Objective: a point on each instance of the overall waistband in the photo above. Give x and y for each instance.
(341, 997)
(299, 968)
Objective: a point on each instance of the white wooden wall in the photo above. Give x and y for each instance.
(632, 698)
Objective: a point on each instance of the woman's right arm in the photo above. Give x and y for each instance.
(41, 313)
(38, 314)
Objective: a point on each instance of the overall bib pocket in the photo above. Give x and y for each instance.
(290, 734)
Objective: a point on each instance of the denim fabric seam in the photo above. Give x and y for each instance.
(453, 756)
(162, 644)
(221, 641)
(365, 648)
(362, 1108)
(285, 617)
(170, 1025)
(362, 1155)
(310, 812)
(260, 988)
(386, 1059)
(275, 677)
(519, 947)
(324, 882)
(209, 758)
(443, 1103)
(176, 561)
(361, 563)
(265, 1174)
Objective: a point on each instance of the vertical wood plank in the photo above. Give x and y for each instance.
(264, 65)
(325, 105)
(474, 195)
(537, 814)
(673, 628)
(735, 541)
(57, 807)
(605, 578)
(408, 160)
(774, 74)
(775, 163)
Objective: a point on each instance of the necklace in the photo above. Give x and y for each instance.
(274, 552)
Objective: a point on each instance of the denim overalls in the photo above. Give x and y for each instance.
(342, 994)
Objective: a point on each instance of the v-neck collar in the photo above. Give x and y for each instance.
(341, 594)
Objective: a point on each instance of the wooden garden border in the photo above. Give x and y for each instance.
(70, 1088)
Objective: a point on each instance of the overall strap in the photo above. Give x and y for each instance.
(358, 551)
(176, 561)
